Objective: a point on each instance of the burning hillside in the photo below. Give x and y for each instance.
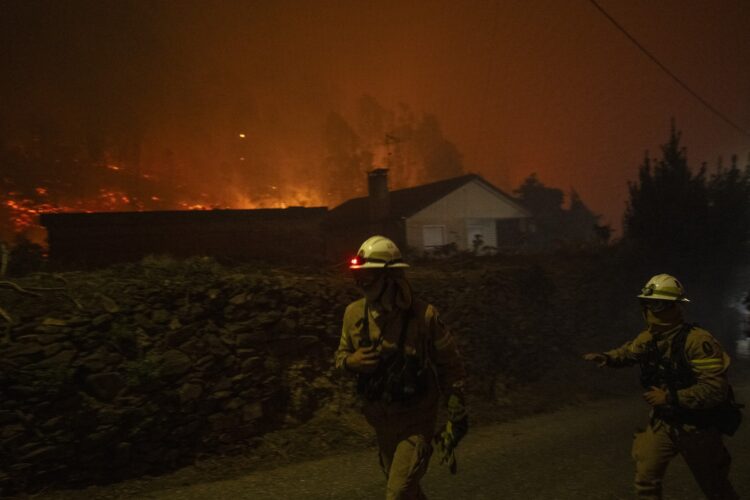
(115, 188)
(63, 171)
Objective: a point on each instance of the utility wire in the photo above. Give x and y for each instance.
(667, 71)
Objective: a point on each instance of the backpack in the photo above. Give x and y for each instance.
(677, 373)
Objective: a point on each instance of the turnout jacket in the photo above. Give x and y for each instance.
(707, 360)
(426, 337)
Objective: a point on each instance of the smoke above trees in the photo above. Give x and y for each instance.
(54, 161)
(412, 147)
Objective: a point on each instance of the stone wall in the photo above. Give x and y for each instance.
(142, 367)
(161, 362)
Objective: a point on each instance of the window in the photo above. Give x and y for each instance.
(433, 236)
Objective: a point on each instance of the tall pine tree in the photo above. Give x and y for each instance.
(667, 215)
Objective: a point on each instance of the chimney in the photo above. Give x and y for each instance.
(377, 188)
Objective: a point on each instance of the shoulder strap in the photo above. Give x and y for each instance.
(405, 326)
(678, 353)
(366, 325)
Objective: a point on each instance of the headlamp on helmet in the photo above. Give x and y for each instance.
(377, 252)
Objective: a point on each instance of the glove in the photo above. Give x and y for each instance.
(457, 417)
(454, 431)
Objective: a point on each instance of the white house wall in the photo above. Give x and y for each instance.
(473, 202)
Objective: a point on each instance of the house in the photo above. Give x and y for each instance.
(275, 235)
(461, 213)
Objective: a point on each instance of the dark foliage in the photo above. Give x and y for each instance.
(25, 257)
(557, 226)
(687, 219)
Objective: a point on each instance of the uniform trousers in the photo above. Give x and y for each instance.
(404, 433)
(404, 460)
(702, 449)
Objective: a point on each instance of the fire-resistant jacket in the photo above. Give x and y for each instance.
(707, 359)
(426, 337)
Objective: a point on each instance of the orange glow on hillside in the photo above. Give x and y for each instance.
(24, 210)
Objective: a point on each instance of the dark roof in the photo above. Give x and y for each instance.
(406, 202)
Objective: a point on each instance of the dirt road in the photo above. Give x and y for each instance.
(575, 453)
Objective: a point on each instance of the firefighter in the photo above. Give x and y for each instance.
(684, 372)
(404, 359)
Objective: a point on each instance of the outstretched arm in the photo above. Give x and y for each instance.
(624, 355)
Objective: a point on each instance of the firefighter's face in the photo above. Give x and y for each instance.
(661, 313)
(370, 281)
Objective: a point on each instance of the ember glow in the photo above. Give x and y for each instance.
(280, 197)
(23, 209)
(24, 213)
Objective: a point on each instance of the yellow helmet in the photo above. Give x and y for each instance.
(377, 252)
(663, 287)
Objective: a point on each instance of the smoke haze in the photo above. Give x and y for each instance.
(273, 103)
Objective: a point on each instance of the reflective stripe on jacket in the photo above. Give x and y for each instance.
(707, 359)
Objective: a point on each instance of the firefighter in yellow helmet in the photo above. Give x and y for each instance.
(684, 372)
(404, 358)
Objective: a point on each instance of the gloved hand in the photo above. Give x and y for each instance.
(596, 357)
(363, 360)
(455, 430)
(457, 416)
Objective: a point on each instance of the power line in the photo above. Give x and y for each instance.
(674, 77)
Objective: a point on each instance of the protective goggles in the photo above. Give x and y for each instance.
(655, 305)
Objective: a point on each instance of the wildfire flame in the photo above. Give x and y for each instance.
(24, 213)
(24, 210)
(111, 186)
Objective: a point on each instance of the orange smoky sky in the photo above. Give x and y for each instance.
(234, 97)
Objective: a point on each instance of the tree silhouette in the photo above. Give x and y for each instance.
(576, 225)
(687, 220)
(540, 199)
(668, 210)
(729, 212)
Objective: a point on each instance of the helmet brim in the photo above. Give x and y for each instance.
(379, 265)
(663, 297)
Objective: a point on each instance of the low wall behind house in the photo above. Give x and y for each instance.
(291, 235)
